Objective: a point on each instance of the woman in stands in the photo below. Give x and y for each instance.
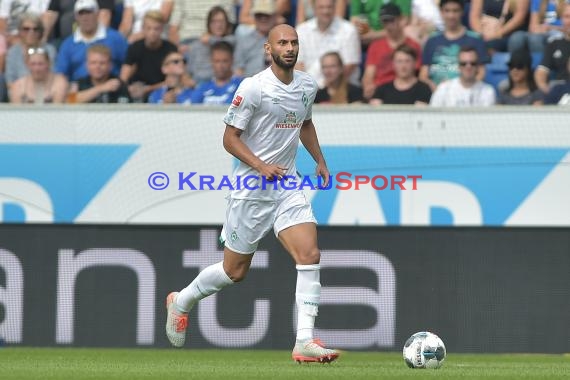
(218, 28)
(522, 89)
(337, 89)
(497, 20)
(41, 86)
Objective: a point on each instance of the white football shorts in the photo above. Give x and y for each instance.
(248, 221)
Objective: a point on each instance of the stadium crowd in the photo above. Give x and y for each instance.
(423, 52)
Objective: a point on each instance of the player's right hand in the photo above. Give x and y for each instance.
(272, 171)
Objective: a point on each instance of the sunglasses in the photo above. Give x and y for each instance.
(37, 50)
(175, 61)
(518, 66)
(468, 63)
(30, 29)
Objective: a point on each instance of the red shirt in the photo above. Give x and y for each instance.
(380, 55)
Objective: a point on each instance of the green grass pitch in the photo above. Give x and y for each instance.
(169, 364)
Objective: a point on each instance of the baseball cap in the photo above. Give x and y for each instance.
(390, 11)
(520, 58)
(86, 5)
(266, 7)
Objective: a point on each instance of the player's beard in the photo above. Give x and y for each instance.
(281, 63)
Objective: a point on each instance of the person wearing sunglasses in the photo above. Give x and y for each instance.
(30, 32)
(522, 89)
(466, 90)
(174, 90)
(11, 13)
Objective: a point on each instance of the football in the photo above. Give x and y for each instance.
(424, 350)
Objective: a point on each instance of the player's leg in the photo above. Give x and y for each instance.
(296, 229)
(240, 245)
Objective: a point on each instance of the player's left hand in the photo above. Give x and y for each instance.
(323, 171)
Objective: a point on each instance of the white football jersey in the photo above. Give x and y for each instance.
(271, 114)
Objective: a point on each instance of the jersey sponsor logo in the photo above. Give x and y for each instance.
(237, 100)
(289, 121)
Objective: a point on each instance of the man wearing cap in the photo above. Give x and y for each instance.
(250, 57)
(365, 15)
(379, 68)
(72, 56)
(326, 33)
(60, 14)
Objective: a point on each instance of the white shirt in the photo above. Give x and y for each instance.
(271, 114)
(140, 7)
(341, 36)
(428, 10)
(11, 10)
(451, 93)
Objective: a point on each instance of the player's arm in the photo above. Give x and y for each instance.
(310, 141)
(237, 148)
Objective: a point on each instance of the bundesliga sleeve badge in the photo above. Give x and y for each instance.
(237, 100)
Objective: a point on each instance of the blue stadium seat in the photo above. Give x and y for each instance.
(497, 71)
(536, 59)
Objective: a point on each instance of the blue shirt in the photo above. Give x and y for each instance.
(441, 54)
(550, 16)
(184, 97)
(212, 94)
(72, 56)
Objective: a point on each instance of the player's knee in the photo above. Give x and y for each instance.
(237, 274)
(312, 256)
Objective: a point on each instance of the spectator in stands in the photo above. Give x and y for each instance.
(142, 69)
(250, 57)
(221, 89)
(365, 15)
(522, 89)
(30, 36)
(173, 91)
(323, 33)
(61, 14)
(305, 10)
(466, 90)
(379, 69)
(497, 20)
(11, 12)
(556, 56)
(134, 12)
(439, 57)
(41, 86)
(219, 29)
(425, 19)
(72, 55)
(545, 23)
(3, 89)
(337, 90)
(560, 93)
(246, 20)
(188, 20)
(405, 88)
(100, 86)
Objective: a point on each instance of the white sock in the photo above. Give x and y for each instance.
(209, 281)
(307, 296)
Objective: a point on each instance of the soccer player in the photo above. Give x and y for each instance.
(270, 112)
